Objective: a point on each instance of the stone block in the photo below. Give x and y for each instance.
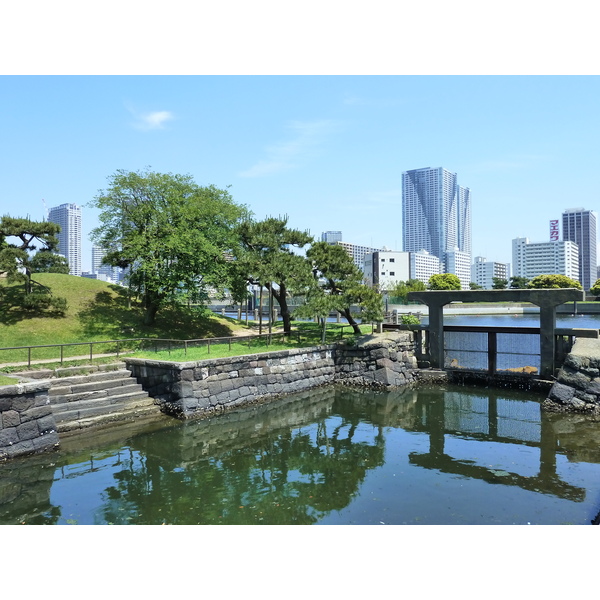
(46, 424)
(46, 442)
(593, 387)
(572, 378)
(27, 431)
(561, 393)
(11, 418)
(8, 436)
(36, 413)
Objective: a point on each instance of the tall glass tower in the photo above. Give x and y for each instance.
(68, 216)
(436, 216)
(579, 226)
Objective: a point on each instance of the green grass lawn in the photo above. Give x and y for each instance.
(101, 312)
(304, 335)
(97, 311)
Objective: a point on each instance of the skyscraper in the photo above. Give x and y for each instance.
(68, 216)
(331, 237)
(579, 226)
(436, 217)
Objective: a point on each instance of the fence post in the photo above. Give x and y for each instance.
(91, 351)
(61, 354)
(185, 347)
(208, 344)
(29, 356)
(492, 352)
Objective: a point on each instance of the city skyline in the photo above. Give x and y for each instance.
(328, 151)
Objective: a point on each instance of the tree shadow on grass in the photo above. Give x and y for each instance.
(12, 310)
(115, 316)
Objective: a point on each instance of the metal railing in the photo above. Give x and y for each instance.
(130, 345)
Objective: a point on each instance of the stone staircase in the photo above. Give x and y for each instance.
(96, 398)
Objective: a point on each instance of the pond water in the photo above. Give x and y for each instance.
(433, 455)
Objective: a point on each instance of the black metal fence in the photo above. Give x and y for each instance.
(89, 350)
(494, 350)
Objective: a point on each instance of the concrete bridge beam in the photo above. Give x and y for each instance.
(547, 300)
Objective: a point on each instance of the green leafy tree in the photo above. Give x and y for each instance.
(265, 257)
(475, 286)
(340, 286)
(498, 283)
(18, 239)
(46, 261)
(553, 281)
(595, 289)
(170, 233)
(401, 289)
(444, 281)
(518, 283)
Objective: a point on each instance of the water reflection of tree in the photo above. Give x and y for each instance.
(288, 476)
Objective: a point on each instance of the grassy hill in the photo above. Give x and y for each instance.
(96, 311)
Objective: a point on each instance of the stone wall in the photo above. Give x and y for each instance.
(202, 387)
(26, 421)
(382, 360)
(577, 386)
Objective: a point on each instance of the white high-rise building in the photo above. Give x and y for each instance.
(436, 217)
(108, 273)
(579, 226)
(531, 259)
(68, 216)
(357, 253)
(484, 271)
(385, 268)
(423, 265)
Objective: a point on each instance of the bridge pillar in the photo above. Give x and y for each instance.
(546, 299)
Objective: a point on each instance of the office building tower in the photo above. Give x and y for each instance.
(579, 226)
(436, 217)
(331, 237)
(484, 271)
(459, 263)
(531, 259)
(107, 272)
(357, 253)
(384, 269)
(68, 216)
(423, 265)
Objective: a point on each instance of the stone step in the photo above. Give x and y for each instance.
(107, 403)
(120, 387)
(103, 408)
(89, 380)
(87, 420)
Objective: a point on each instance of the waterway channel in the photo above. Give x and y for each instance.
(433, 455)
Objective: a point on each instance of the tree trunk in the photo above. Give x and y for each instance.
(150, 312)
(351, 321)
(281, 297)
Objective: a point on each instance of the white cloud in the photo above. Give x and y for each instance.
(304, 144)
(147, 121)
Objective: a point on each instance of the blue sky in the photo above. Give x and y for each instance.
(328, 151)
